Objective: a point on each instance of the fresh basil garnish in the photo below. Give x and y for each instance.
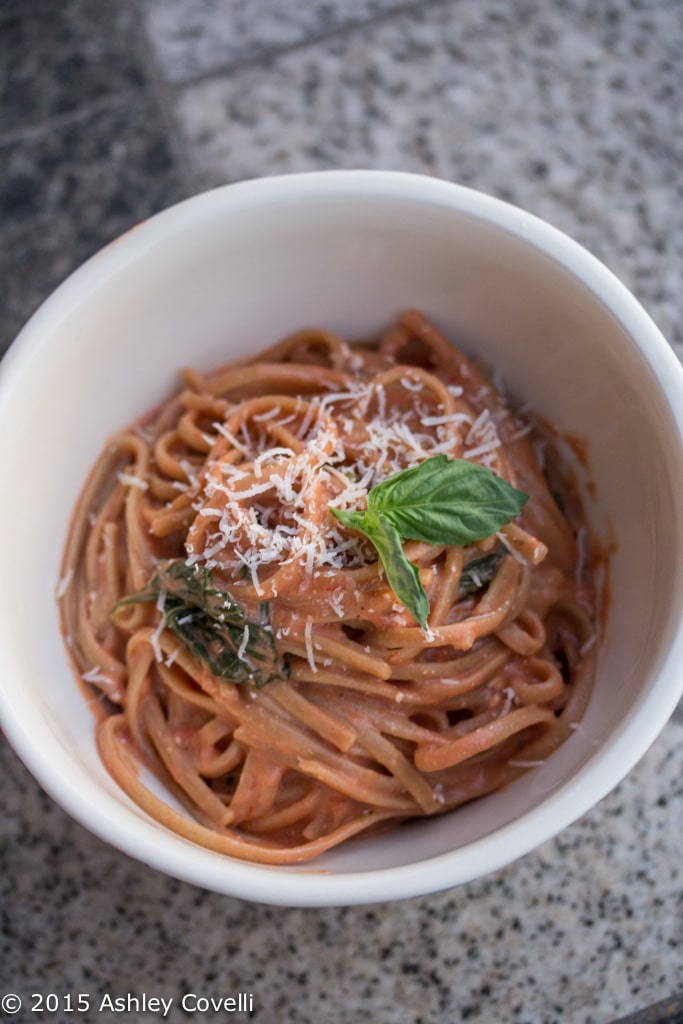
(211, 625)
(438, 501)
(402, 575)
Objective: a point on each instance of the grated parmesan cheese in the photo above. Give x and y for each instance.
(65, 582)
(94, 675)
(337, 602)
(172, 656)
(453, 417)
(241, 650)
(350, 441)
(516, 554)
(308, 637)
(129, 480)
(229, 436)
(269, 414)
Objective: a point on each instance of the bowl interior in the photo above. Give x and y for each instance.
(228, 273)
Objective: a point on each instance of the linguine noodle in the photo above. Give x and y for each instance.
(363, 718)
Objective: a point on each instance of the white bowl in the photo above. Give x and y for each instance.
(229, 271)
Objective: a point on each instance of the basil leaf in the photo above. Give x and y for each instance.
(446, 501)
(350, 517)
(402, 575)
(211, 625)
(439, 501)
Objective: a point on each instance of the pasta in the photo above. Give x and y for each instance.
(247, 647)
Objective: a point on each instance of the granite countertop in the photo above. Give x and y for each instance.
(569, 108)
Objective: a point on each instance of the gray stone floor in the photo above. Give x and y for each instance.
(570, 108)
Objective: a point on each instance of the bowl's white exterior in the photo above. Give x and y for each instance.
(228, 272)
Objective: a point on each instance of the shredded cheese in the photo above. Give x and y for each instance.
(65, 582)
(350, 441)
(241, 650)
(128, 480)
(308, 637)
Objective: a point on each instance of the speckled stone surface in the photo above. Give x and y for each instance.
(84, 148)
(58, 57)
(200, 38)
(70, 189)
(572, 109)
